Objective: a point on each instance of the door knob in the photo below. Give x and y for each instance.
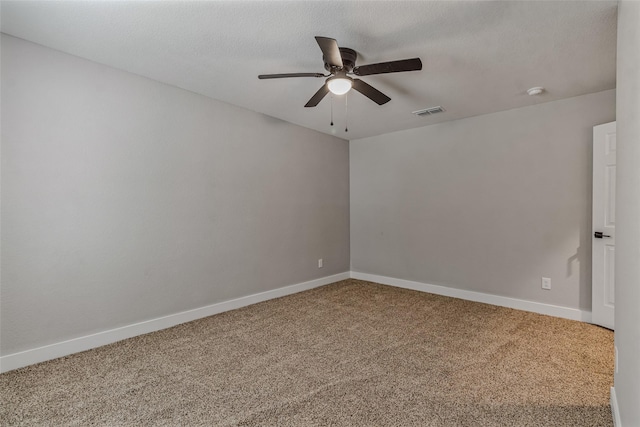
(599, 235)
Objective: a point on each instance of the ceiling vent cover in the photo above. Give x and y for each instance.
(429, 111)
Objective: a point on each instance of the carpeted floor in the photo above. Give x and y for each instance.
(348, 354)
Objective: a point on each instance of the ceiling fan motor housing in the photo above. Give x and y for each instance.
(349, 57)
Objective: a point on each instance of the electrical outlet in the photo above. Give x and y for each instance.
(546, 283)
(320, 263)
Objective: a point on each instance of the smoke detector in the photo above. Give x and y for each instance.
(535, 90)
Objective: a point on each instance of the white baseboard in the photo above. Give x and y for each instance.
(615, 412)
(519, 304)
(64, 348)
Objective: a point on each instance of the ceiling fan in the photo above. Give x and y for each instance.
(341, 63)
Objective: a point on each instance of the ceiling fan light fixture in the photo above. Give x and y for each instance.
(339, 85)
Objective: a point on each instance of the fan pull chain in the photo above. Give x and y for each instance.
(332, 109)
(346, 112)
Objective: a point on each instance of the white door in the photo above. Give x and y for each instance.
(604, 224)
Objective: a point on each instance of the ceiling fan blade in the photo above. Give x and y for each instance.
(282, 76)
(330, 50)
(317, 97)
(370, 92)
(413, 64)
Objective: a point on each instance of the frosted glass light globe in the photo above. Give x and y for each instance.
(339, 85)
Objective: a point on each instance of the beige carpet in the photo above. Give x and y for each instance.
(349, 354)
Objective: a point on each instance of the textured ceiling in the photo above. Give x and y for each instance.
(479, 57)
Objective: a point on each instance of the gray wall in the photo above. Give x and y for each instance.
(627, 379)
(124, 199)
(490, 203)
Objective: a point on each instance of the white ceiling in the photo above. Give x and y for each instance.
(478, 57)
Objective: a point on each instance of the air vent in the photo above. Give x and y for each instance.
(428, 111)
